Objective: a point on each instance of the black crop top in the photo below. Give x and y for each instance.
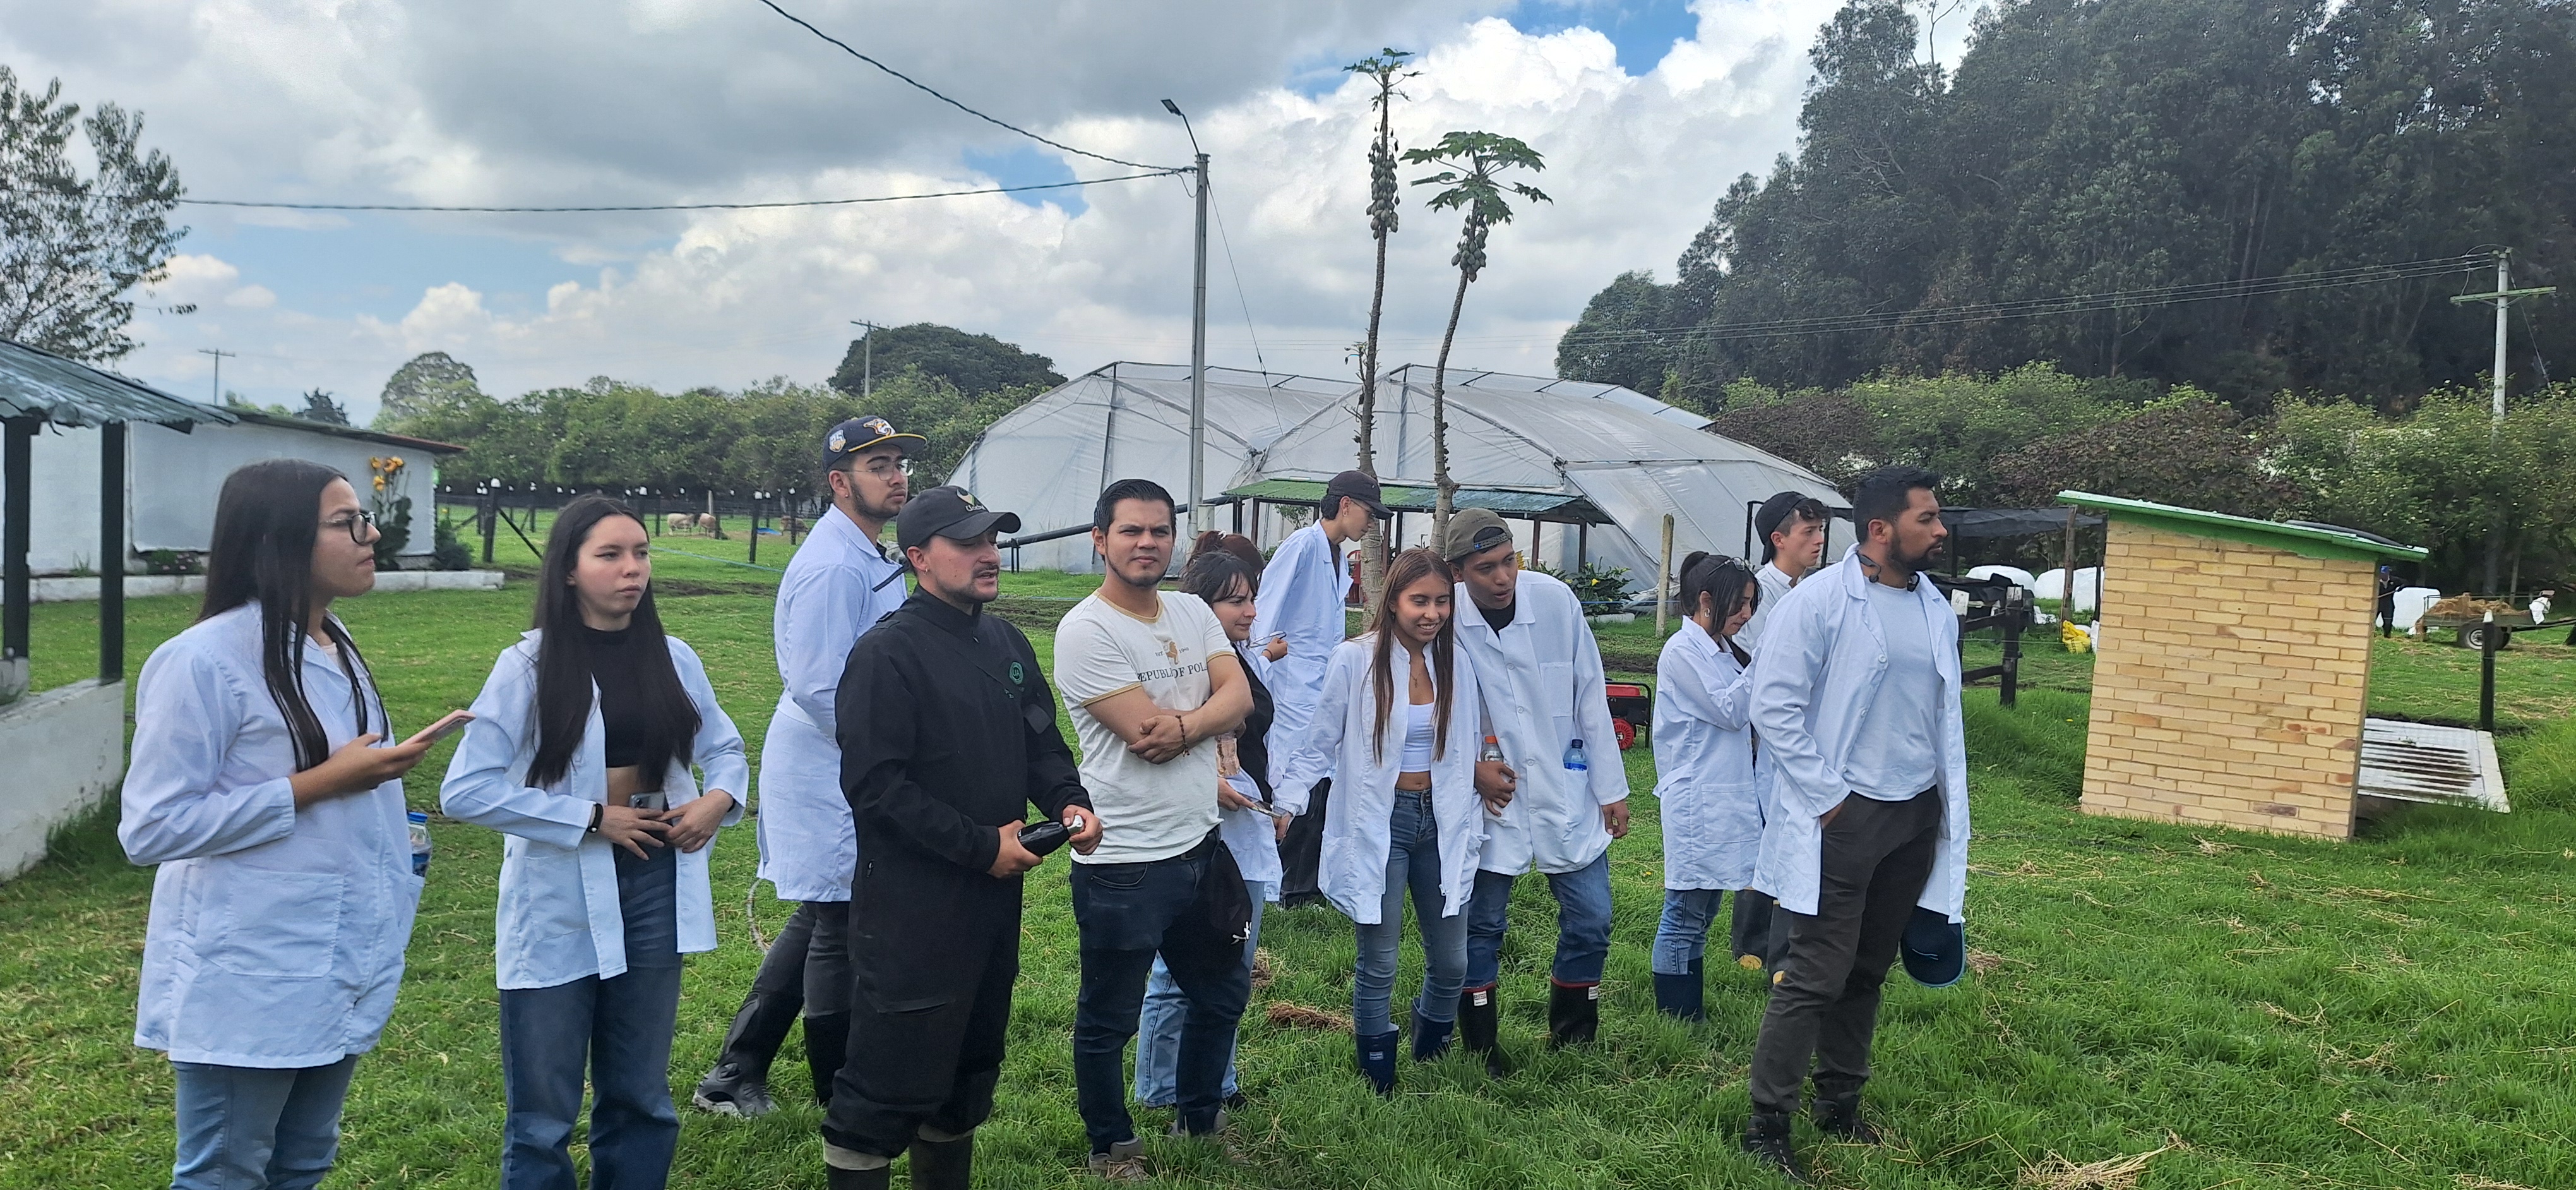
(613, 659)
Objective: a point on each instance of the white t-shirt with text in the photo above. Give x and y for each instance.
(1150, 811)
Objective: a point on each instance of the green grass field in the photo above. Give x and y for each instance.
(2389, 1012)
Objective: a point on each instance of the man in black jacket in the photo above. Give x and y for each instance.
(947, 733)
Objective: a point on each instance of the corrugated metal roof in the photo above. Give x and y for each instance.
(1542, 506)
(2304, 538)
(47, 386)
(2426, 762)
(361, 433)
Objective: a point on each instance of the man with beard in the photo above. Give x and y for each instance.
(838, 585)
(947, 734)
(1856, 702)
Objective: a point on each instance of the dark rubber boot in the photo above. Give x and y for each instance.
(879, 1178)
(827, 1043)
(1683, 997)
(1431, 1038)
(1480, 1028)
(1839, 1117)
(1573, 1014)
(1377, 1059)
(1767, 1138)
(739, 1083)
(943, 1164)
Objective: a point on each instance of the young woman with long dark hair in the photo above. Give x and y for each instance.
(258, 784)
(1218, 574)
(1712, 806)
(1397, 728)
(581, 751)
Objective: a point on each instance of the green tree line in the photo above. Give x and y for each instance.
(2094, 146)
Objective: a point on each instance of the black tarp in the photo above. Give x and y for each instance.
(1989, 523)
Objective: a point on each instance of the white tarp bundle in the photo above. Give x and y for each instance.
(1048, 459)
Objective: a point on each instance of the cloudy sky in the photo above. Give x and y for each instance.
(1644, 109)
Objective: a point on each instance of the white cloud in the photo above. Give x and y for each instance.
(647, 100)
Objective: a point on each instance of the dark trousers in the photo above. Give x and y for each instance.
(928, 1067)
(1876, 857)
(806, 970)
(1301, 854)
(1758, 930)
(1128, 913)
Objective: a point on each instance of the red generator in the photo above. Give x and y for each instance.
(1632, 708)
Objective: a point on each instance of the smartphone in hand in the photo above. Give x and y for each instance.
(447, 725)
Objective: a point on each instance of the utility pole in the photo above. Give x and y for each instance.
(2503, 298)
(1202, 517)
(867, 358)
(220, 357)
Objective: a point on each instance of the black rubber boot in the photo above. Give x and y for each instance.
(1573, 1014)
(1767, 1138)
(879, 1178)
(827, 1044)
(1430, 1038)
(1839, 1117)
(738, 1085)
(1480, 1028)
(1377, 1059)
(943, 1164)
(1683, 997)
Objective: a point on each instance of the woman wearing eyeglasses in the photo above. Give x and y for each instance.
(261, 785)
(581, 751)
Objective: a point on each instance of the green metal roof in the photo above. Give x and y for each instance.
(45, 386)
(2311, 541)
(1560, 507)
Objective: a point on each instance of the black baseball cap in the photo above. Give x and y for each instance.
(1360, 486)
(860, 433)
(1777, 509)
(1935, 948)
(948, 511)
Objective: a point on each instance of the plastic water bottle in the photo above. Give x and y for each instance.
(419, 843)
(1574, 759)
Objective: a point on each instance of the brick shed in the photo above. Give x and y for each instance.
(2233, 670)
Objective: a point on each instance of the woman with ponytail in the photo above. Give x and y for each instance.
(1397, 728)
(261, 785)
(582, 751)
(1712, 806)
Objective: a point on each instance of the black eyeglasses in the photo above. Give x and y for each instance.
(360, 526)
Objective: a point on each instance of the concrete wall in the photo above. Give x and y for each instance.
(66, 750)
(140, 586)
(172, 480)
(2230, 685)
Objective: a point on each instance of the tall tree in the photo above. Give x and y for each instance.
(1472, 165)
(72, 247)
(431, 387)
(1386, 69)
(972, 364)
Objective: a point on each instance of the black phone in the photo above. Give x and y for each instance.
(1043, 837)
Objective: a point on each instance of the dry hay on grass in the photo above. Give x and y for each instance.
(1263, 968)
(2111, 1173)
(2465, 608)
(1284, 1015)
(2470, 1181)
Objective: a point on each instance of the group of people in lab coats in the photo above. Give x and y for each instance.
(1460, 742)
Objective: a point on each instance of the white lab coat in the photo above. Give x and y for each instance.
(1813, 682)
(559, 918)
(1775, 584)
(1710, 798)
(1249, 834)
(276, 937)
(1542, 687)
(838, 585)
(1352, 867)
(1301, 596)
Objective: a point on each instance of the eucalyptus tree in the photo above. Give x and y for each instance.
(73, 247)
(1472, 165)
(1386, 68)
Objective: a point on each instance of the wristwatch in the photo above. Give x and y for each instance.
(598, 811)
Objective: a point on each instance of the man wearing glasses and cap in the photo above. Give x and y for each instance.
(1301, 603)
(1558, 796)
(840, 583)
(948, 734)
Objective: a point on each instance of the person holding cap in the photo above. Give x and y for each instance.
(1550, 804)
(841, 582)
(1792, 527)
(1301, 603)
(947, 734)
(1856, 702)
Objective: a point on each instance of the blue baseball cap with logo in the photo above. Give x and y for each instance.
(860, 433)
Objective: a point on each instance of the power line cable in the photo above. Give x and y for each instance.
(925, 89)
(694, 206)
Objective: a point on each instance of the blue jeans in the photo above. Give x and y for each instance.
(1582, 924)
(250, 1128)
(1412, 862)
(1127, 914)
(621, 1029)
(1681, 938)
(1158, 1029)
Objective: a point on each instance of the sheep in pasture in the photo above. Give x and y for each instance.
(677, 522)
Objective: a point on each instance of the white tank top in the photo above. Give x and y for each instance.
(1417, 739)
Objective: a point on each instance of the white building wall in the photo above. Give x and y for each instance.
(66, 750)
